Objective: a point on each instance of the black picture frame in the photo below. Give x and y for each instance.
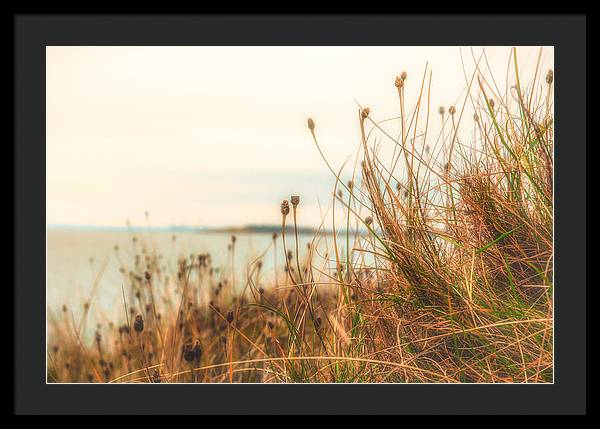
(32, 33)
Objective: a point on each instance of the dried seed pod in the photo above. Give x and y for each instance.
(285, 207)
(138, 324)
(295, 200)
(452, 110)
(311, 124)
(368, 220)
(230, 317)
(442, 110)
(364, 113)
(399, 82)
(549, 77)
(187, 352)
(197, 351)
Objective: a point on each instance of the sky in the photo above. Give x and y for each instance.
(217, 136)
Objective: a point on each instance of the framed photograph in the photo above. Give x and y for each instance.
(285, 214)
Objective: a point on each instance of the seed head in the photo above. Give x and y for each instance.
(138, 324)
(192, 354)
(188, 355)
(233, 239)
(492, 104)
(230, 317)
(147, 275)
(403, 75)
(364, 113)
(295, 200)
(442, 110)
(285, 207)
(311, 124)
(197, 350)
(452, 110)
(475, 117)
(399, 82)
(368, 220)
(549, 77)
(274, 236)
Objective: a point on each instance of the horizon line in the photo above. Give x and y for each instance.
(252, 227)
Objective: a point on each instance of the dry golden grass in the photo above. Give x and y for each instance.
(442, 270)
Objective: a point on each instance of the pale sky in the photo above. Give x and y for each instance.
(215, 136)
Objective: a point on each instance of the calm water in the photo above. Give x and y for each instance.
(77, 259)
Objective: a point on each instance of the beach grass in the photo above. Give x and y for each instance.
(440, 272)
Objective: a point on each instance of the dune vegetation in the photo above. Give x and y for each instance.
(441, 271)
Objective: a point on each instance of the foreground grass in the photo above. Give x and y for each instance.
(443, 274)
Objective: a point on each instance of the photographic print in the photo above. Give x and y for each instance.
(299, 214)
